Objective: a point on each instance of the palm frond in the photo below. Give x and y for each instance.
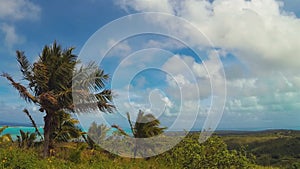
(21, 89)
(33, 122)
(90, 77)
(42, 76)
(25, 66)
(119, 129)
(145, 125)
(104, 96)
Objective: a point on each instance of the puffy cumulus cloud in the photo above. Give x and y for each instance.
(12, 11)
(246, 104)
(18, 9)
(258, 32)
(153, 101)
(164, 44)
(119, 49)
(11, 38)
(263, 95)
(193, 80)
(247, 97)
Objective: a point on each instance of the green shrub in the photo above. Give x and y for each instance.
(213, 153)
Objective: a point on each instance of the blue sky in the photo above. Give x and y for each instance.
(257, 43)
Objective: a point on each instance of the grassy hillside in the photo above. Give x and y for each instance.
(272, 149)
(279, 148)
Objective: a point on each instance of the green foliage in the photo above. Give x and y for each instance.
(75, 155)
(66, 129)
(26, 140)
(98, 133)
(213, 153)
(146, 126)
(277, 148)
(15, 158)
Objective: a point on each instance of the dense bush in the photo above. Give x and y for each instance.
(213, 153)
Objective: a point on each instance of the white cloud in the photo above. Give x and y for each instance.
(257, 32)
(118, 49)
(191, 78)
(147, 5)
(12, 11)
(18, 10)
(165, 44)
(11, 38)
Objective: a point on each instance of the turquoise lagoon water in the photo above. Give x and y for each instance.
(15, 130)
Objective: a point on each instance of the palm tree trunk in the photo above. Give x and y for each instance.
(47, 132)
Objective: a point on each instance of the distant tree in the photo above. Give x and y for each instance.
(146, 126)
(98, 133)
(50, 86)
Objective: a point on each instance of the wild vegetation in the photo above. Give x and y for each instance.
(65, 145)
(277, 148)
(188, 154)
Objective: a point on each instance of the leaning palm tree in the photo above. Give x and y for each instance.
(50, 86)
(146, 126)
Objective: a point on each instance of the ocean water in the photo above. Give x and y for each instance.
(15, 130)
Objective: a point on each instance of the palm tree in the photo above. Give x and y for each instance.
(50, 86)
(98, 133)
(4, 137)
(146, 126)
